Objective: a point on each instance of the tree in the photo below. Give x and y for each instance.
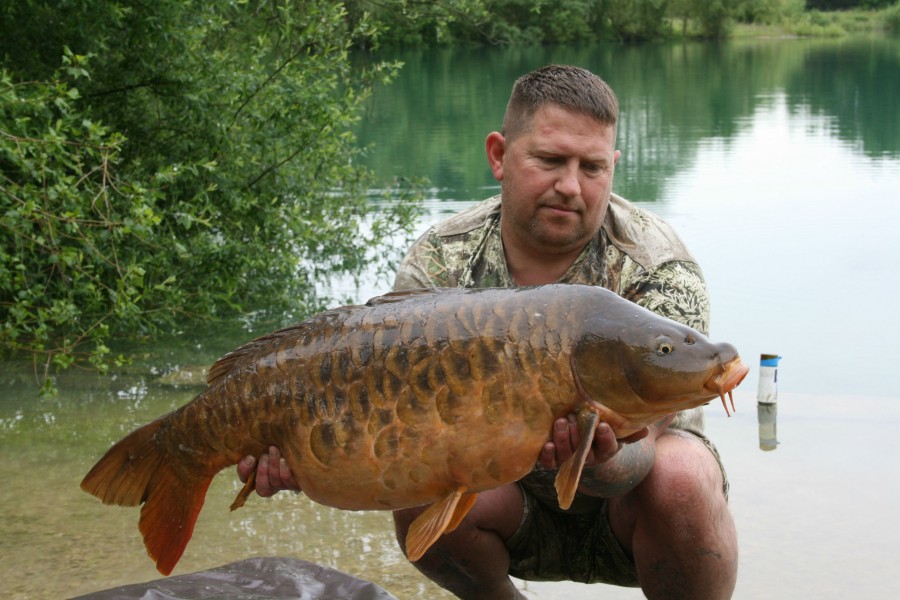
(185, 159)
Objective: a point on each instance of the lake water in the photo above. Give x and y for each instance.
(778, 162)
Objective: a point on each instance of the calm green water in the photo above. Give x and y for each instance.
(779, 163)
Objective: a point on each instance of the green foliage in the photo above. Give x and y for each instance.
(768, 12)
(815, 23)
(186, 159)
(72, 231)
(892, 19)
(406, 22)
(846, 4)
(710, 19)
(412, 22)
(635, 19)
(542, 21)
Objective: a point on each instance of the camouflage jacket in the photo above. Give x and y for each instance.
(635, 254)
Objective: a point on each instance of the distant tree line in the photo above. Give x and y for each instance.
(564, 21)
(847, 4)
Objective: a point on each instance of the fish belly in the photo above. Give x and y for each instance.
(405, 466)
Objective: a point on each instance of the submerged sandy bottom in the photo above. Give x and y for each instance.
(817, 517)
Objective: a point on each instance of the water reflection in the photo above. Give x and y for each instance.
(432, 122)
(782, 184)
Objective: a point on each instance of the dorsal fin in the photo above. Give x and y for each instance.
(402, 295)
(224, 365)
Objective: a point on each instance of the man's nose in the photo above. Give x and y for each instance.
(567, 184)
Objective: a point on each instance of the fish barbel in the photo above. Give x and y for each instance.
(415, 398)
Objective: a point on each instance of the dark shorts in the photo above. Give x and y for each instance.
(554, 546)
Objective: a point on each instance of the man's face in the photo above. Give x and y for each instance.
(556, 179)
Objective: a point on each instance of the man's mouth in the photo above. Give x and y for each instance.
(560, 209)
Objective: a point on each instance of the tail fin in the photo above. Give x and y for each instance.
(136, 470)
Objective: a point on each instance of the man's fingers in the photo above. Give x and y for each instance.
(563, 441)
(272, 473)
(278, 473)
(263, 487)
(605, 443)
(245, 467)
(274, 470)
(287, 478)
(547, 457)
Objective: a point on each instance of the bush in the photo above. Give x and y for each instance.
(73, 231)
(892, 19)
(187, 160)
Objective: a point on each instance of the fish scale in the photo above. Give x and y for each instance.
(422, 397)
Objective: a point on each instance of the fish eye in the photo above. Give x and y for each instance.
(665, 348)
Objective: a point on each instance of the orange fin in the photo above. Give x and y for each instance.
(462, 509)
(432, 523)
(570, 472)
(137, 470)
(245, 492)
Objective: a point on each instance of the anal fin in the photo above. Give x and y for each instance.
(570, 472)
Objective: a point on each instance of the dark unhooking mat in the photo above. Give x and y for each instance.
(273, 578)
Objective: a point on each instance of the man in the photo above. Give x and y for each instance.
(651, 509)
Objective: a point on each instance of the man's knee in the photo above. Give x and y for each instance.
(677, 526)
(682, 494)
(686, 472)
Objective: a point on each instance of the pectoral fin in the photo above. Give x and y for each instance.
(245, 492)
(462, 509)
(438, 518)
(570, 472)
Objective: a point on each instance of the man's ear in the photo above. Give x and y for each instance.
(495, 145)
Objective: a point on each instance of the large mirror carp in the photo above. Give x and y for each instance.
(419, 397)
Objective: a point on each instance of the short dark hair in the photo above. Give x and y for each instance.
(566, 86)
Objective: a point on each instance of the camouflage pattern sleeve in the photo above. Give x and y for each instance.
(423, 266)
(676, 290)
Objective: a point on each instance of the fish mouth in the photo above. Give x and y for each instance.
(731, 375)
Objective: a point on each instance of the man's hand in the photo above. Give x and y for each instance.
(272, 473)
(613, 466)
(604, 447)
(565, 439)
